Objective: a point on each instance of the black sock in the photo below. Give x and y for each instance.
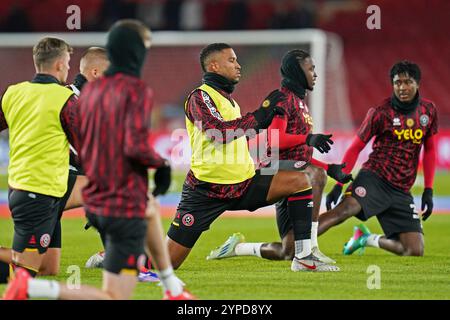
(4, 272)
(103, 238)
(300, 208)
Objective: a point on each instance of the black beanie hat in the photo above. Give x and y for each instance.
(293, 76)
(126, 51)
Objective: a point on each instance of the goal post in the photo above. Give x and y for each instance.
(173, 70)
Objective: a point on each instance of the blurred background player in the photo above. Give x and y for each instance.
(38, 114)
(295, 142)
(110, 206)
(401, 125)
(93, 64)
(223, 175)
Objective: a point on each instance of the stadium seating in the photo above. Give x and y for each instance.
(369, 55)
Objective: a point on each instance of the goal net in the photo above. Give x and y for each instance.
(172, 70)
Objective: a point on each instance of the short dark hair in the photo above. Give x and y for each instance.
(208, 50)
(47, 50)
(406, 67)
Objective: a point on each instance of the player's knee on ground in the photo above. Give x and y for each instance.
(288, 252)
(49, 270)
(413, 251)
(287, 246)
(50, 264)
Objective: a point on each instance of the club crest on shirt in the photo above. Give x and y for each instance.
(396, 122)
(424, 119)
(361, 192)
(188, 220)
(301, 105)
(410, 122)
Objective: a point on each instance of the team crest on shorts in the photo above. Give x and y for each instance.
(188, 220)
(361, 192)
(299, 164)
(424, 119)
(45, 240)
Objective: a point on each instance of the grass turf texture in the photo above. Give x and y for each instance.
(441, 183)
(255, 278)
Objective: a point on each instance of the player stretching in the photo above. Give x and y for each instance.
(298, 75)
(223, 176)
(114, 117)
(92, 65)
(38, 114)
(401, 124)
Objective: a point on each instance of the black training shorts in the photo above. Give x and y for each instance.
(394, 209)
(196, 211)
(124, 237)
(35, 216)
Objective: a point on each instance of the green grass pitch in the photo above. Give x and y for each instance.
(254, 278)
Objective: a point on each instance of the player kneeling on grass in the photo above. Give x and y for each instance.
(93, 63)
(118, 104)
(401, 125)
(295, 142)
(38, 114)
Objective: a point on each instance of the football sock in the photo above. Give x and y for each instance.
(4, 272)
(314, 228)
(43, 289)
(300, 207)
(248, 249)
(373, 240)
(170, 281)
(103, 238)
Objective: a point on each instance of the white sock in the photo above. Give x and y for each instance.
(170, 281)
(372, 240)
(43, 289)
(248, 249)
(314, 228)
(302, 248)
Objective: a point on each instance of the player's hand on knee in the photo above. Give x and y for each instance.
(268, 109)
(321, 142)
(163, 178)
(333, 196)
(427, 200)
(335, 171)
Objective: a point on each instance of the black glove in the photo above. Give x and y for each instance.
(427, 199)
(268, 109)
(335, 171)
(319, 141)
(333, 196)
(162, 179)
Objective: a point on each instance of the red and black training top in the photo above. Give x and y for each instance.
(398, 141)
(115, 152)
(292, 128)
